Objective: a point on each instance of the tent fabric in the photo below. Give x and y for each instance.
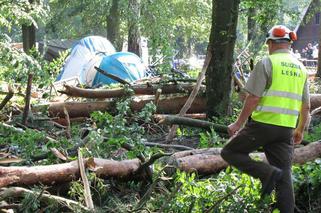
(95, 51)
(125, 65)
(82, 53)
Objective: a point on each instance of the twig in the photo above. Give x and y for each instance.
(178, 147)
(87, 193)
(152, 159)
(57, 124)
(114, 77)
(316, 111)
(157, 96)
(66, 114)
(27, 100)
(7, 98)
(71, 152)
(173, 119)
(129, 147)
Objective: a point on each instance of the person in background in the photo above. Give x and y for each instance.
(297, 54)
(315, 53)
(276, 110)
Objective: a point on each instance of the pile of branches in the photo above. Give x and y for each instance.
(169, 99)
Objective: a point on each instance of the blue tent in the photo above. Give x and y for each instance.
(98, 51)
(125, 65)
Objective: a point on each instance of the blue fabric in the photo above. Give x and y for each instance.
(125, 65)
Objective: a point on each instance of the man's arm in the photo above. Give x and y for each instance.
(249, 106)
(303, 120)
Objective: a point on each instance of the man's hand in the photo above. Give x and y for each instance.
(250, 104)
(233, 128)
(297, 136)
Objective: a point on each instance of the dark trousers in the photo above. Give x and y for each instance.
(277, 144)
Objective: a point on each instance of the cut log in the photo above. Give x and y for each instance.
(205, 163)
(143, 89)
(65, 172)
(159, 117)
(315, 100)
(167, 105)
(170, 105)
(178, 120)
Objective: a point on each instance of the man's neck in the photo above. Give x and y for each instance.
(276, 49)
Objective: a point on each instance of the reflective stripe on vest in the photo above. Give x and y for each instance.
(283, 94)
(281, 103)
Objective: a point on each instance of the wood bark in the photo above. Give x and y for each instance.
(7, 98)
(27, 100)
(28, 35)
(208, 161)
(202, 161)
(179, 120)
(113, 25)
(251, 24)
(315, 101)
(169, 105)
(113, 77)
(87, 193)
(144, 89)
(318, 74)
(134, 44)
(166, 105)
(222, 42)
(159, 117)
(58, 173)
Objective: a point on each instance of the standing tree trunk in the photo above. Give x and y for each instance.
(251, 24)
(113, 25)
(319, 55)
(133, 27)
(222, 41)
(28, 35)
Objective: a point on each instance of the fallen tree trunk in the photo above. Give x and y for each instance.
(204, 161)
(166, 105)
(170, 105)
(144, 89)
(315, 100)
(159, 117)
(208, 161)
(178, 120)
(50, 174)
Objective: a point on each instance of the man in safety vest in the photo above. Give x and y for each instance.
(277, 109)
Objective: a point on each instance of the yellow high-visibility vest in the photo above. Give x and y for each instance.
(281, 103)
